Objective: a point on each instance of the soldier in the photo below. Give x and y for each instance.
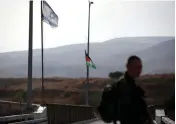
(132, 106)
(128, 98)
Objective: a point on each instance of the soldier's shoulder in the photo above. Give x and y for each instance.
(120, 84)
(121, 81)
(115, 83)
(108, 87)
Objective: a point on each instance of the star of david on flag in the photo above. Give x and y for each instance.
(48, 15)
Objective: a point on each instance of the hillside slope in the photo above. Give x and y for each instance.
(157, 53)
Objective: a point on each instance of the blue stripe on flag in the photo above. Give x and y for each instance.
(49, 16)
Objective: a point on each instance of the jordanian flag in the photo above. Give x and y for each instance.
(89, 61)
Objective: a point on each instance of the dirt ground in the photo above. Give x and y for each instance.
(158, 89)
(71, 91)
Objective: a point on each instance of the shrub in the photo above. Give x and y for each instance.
(20, 96)
(115, 75)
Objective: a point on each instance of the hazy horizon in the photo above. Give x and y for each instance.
(109, 19)
(90, 43)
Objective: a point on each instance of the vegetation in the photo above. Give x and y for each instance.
(94, 98)
(20, 96)
(72, 91)
(67, 94)
(115, 75)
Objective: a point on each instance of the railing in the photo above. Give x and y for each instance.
(16, 117)
(13, 108)
(37, 116)
(87, 121)
(36, 121)
(166, 120)
(66, 114)
(159, 113)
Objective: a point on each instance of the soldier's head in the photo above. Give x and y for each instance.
(134, 66)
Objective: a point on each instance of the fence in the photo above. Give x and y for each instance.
(38, 115)
(8, 108)
(36, 121)
(166, 120)
(66, 114)
(160, 116)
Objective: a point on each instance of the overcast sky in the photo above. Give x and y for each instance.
(109, 19)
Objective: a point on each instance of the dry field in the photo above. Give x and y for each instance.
(71, 91)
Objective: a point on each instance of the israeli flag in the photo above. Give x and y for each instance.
(48, 15)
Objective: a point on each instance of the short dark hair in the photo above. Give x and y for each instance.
(131, 58)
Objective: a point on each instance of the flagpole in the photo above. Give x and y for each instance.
(42, 47)
(29, 88)
(87, 84)
(52, 19)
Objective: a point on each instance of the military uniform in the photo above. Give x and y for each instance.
(131, 107)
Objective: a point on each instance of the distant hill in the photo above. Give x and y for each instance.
(157, 53)
(159, 58)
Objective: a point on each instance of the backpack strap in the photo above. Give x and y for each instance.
(115, 89)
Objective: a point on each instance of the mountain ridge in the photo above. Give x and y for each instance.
(108, 56)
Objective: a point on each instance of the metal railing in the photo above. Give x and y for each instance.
(36, 121)
(14, 118)
(67, 114)
(166, 120)
(158, 115)
(37, 116)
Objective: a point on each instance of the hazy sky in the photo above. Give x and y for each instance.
(109, 19)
